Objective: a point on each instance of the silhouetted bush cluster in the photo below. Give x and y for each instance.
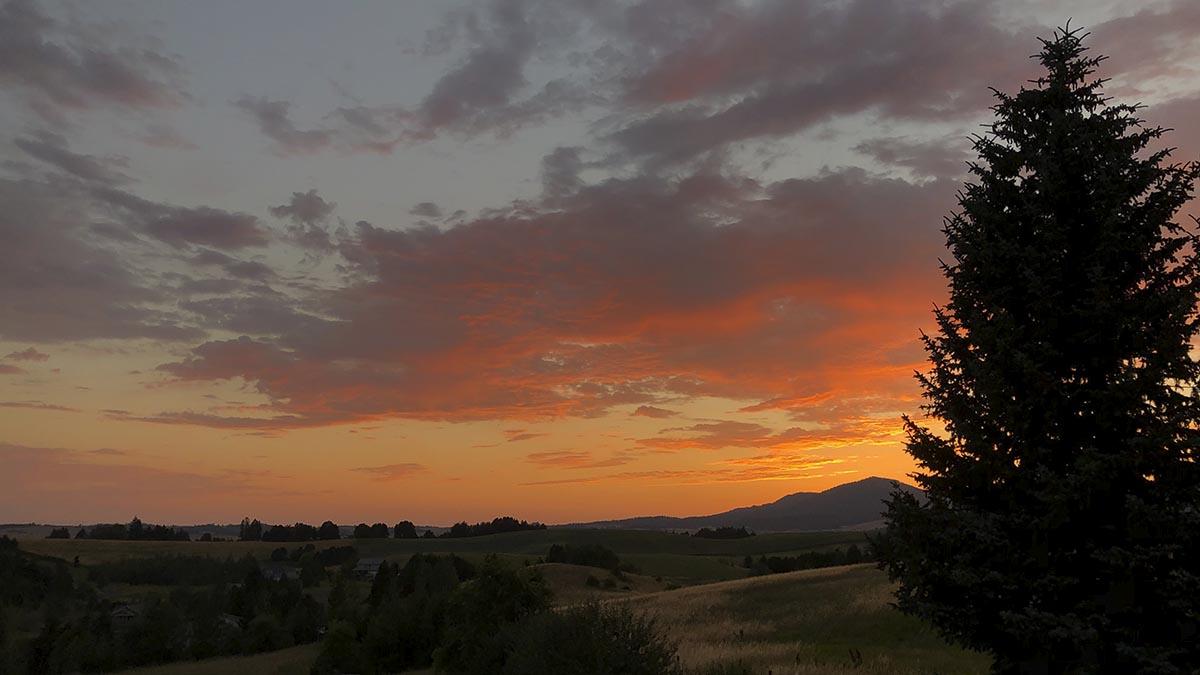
(297, 532)
(59, 533)
(134, 531)
(254, 530)
(376, 531)
(724, 532)
(497, 526)
(592, 638)
(337, 556)
(591, 555)
(807, 561)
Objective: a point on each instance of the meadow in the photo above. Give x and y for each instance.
(829, 620)
(680, 558)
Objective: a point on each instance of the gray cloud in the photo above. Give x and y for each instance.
(52, 149)
(275, 122)
(29, 354)
(391, 472)
(307, 212)
(63, 67)
(944, 158)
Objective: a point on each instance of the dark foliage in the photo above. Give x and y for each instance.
(724, 532)
(337, 556)
(405, 530)
(593, 639)
(476, 641)
(328, 530)
(404, 618)
(134, 531)
(59, 533)
(250, 530)
(172, 570)
(297, 532)
(376, 531)
(81, 632)
(1061, 529)
(497, 526)
(591, 555)
(806, 561)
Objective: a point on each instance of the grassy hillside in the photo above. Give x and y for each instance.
(804, 622)
(800, 623)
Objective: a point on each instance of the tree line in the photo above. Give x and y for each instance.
(135, 530)
(723, 532)
(808, 560)
(255, 530)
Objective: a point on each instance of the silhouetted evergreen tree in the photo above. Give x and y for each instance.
(251, 530)
(1061, 529)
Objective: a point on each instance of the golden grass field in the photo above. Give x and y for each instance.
(803, 623)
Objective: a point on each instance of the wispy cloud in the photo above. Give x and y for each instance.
(390, 472)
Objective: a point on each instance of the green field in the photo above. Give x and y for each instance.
(815, 621)
(798, 623)
(683, 559)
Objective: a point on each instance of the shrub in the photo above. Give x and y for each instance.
(479, 614)
(593, 639)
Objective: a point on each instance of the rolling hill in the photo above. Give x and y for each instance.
(856, 505)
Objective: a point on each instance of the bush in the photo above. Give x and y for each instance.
(479, 614)
(725, 532)
(497, 526)
(592, 639)
(590, 555)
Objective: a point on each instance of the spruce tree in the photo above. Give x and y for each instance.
(1060, 528)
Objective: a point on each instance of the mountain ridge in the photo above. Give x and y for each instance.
(854, 505)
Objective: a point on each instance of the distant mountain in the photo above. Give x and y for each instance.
(857, 505)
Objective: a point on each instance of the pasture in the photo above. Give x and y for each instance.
(682, 559)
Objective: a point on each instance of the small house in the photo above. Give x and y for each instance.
(124, 615)
(280, 572)
(367, 568)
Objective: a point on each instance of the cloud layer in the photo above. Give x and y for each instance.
(725, 246)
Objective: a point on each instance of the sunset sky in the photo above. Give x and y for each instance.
(559, 259)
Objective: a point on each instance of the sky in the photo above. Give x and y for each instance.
(557, 259)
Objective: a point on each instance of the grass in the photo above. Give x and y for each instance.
(801, 623)
(683, 559)
(804, 622)
(569, 583)
(291, 661)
